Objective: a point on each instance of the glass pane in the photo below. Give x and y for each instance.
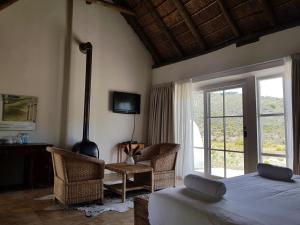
(217, 133)
(273, 134)
(198, 115)
(234, 133)
(199, 160)
(217, 163)
(277, 161)
(216, 103)
(271, 96)
(234, 102)
(234, 164)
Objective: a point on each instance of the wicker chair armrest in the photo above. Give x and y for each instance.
(73, 157)
(76, 156)
(164, 162)
(101, 168)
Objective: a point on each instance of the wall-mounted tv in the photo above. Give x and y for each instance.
(127, 103)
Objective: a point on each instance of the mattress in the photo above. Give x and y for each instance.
(249, 200)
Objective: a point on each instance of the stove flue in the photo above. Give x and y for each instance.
(86, 146)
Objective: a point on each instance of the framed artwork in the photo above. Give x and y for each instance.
(17, 112)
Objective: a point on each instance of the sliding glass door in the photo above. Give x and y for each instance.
(219, 131)
(222, 112)
(225, 139)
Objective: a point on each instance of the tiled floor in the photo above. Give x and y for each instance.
(20, 208)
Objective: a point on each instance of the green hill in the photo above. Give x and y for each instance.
(272, 131)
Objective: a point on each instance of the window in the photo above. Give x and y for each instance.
(218, 131)
(226, 139)
(271, 121)
(198, 131)
(240, 121)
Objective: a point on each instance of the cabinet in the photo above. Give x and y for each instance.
(25, 166)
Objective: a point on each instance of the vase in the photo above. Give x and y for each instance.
(130, 160)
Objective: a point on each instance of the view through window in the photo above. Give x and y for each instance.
(224, 137)
(219, 130)
(271, 121)
(198, 131)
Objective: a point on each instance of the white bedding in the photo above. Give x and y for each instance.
(249, 200)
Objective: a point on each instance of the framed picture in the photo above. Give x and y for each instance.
(17, 112)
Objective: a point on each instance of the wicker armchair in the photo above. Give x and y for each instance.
(77, 178)
(162, 157)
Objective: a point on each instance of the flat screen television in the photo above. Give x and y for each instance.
(127, 103)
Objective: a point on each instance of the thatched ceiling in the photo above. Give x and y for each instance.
(6, 3)
(173, 30)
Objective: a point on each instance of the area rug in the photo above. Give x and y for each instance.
(109, 205)
(90, 210)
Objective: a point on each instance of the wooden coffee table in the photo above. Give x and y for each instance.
(127, 185)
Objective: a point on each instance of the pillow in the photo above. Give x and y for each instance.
(206, 188)
(274, 172)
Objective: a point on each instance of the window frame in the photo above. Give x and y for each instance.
(259, 115)
(197, 147)
(241, 83)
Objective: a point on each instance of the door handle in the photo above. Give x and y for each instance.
(245, 132)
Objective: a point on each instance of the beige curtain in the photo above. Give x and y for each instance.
(161, 115)
(296, 110)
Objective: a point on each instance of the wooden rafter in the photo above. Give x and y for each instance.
(132, 21)
(7, 3)
(183, 25)
(269, 12)
(112, 6)
(253, 36)
(163, 27)
(144, 38)
(228, 18)
(189, 22)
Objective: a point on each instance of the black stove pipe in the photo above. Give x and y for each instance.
(87, 49)
(86, 146)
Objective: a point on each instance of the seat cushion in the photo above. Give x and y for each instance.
(147, 162)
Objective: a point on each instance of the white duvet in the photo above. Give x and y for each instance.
(249, 200)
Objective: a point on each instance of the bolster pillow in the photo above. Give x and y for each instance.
(274, 172)
(207, 188)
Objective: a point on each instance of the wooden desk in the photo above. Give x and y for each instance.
(125, 170)
(121, 154)
(25, 166)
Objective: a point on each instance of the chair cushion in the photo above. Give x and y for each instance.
(147, 162)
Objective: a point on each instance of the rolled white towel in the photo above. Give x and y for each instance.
(274, 172)
(207, 188)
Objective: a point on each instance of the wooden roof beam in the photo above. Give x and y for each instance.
(269, 12)
(113, 6)
(144, 38)
(7, 3)
(229, 18)
(159, 21)
(189, 22)
(132, 21)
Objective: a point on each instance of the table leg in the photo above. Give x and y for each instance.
(124, 187)
(152, 182)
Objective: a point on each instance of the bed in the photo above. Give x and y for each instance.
(249, 200)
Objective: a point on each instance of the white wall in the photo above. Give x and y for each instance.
(32, 44)
(120, 62)
(269, 47)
